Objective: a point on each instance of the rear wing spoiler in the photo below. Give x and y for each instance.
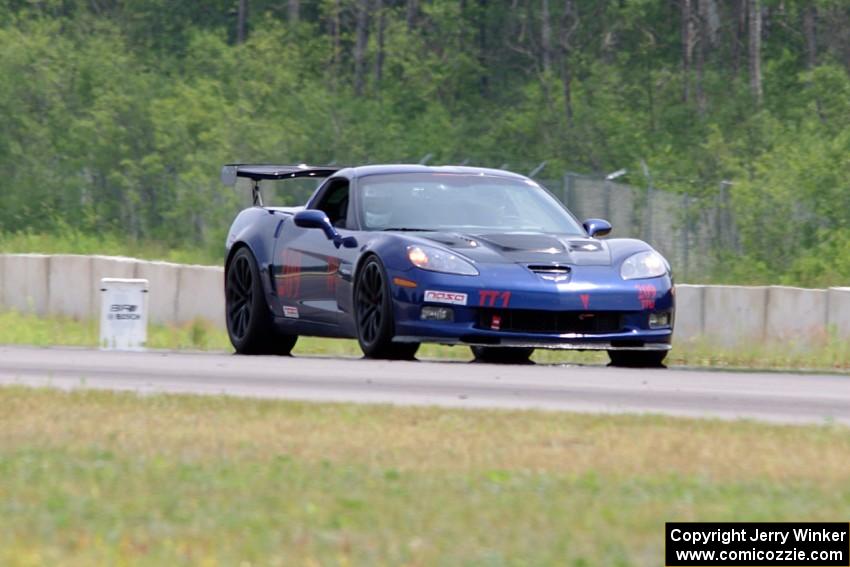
(256, 172)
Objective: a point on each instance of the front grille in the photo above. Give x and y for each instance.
(551, 272)
(559, 322)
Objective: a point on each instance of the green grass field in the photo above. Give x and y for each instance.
(32, 330)
(70, 241)
(94, 478)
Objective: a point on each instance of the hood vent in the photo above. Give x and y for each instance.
(514, 242)
(551, 272)
(453, 240)
(585, 246)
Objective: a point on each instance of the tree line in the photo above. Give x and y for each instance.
(115, 115)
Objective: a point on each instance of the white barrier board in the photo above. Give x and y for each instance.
(123, 314)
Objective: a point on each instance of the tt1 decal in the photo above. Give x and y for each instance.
(290, 311)
(494, 298)
(585, 300)
(289, 282)
(449, 297)
(496, 323)
(646, 295)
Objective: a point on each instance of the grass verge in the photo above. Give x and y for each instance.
(16, 328)
(70, 241)
(91, 478)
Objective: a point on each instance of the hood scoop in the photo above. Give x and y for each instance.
(512, 242)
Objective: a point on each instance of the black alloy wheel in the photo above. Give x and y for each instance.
(637, 358)
(374, 316)
(502, 355)
(240, 297)
(250, 325)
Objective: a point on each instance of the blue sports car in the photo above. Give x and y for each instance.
(398, 255)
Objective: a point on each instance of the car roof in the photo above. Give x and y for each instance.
(364, 170)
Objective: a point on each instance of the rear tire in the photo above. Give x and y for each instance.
(250, 324)
(502, 355)
(637, 358)
(373, 314)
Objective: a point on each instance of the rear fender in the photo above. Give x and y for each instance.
(255, 229)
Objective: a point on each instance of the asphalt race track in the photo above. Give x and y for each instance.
(777, 397)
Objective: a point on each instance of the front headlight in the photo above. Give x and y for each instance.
(649, 264)
(436, 260)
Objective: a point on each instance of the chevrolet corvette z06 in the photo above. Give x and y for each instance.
(399, 255)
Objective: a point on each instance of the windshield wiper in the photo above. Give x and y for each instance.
(409, 229)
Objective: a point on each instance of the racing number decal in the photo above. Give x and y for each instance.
(489, 297)
(646, 295)
(585, 300)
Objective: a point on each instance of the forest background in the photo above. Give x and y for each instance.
(116, 115)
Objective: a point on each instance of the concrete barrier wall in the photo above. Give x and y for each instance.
(796, 315)
(162, 297)
(838, 311)
(690, 302)
(200, 294)
(25, 287)
(733, 315)
(67, 284)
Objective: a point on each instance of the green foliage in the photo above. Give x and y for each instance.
(116, 116)
(69, 240)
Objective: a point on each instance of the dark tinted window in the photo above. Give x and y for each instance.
(334, 202)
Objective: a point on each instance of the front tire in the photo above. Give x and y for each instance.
(637, 358)
(502, 355)
(374, 315)
(250, 325)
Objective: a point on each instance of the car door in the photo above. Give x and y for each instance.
(309, 267)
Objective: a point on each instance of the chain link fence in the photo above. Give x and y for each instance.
(691, 232)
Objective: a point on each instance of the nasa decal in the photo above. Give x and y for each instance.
(450, 297)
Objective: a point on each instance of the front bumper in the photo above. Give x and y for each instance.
(466, 334)
(606, 317)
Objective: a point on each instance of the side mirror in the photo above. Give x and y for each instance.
(313, 218)
(597, 227)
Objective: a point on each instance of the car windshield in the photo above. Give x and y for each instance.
(460, 203)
